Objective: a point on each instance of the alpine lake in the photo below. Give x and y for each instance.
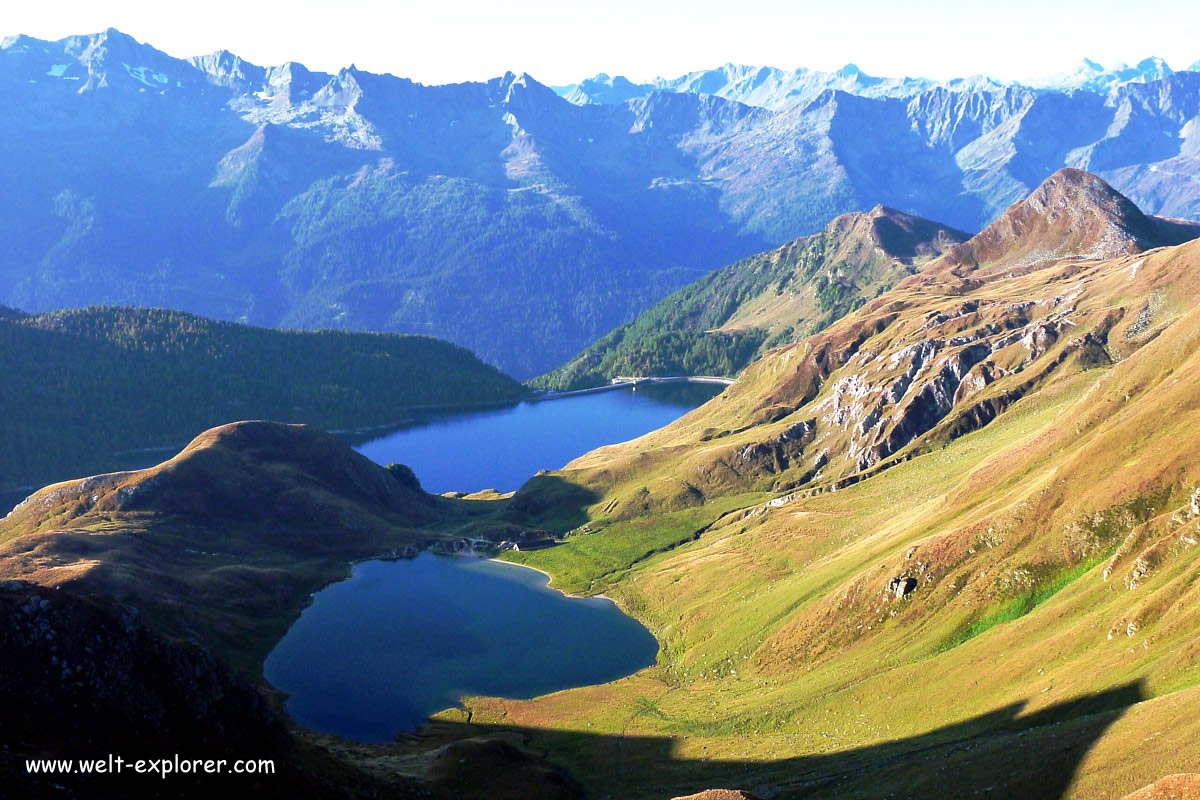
(375, 655)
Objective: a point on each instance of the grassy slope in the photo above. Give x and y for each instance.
(1056, 559)
(81, 385)
(758, 686)
(1054, 551)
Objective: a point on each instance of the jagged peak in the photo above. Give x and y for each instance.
(111, 34)
(291, 69)
(109, 39)
(18, 40)
(1152, 61)
(227, 69)
(520, 84)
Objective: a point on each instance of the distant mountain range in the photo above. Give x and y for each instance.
(498, 214)
(778, 89)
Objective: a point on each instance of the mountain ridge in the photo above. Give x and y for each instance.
(717, 325)
(778, 89)
(383, 202)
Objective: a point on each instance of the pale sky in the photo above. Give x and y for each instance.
(561, 42)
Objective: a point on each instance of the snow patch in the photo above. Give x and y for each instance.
(146, 76)
(57, 70)
(1133, 268)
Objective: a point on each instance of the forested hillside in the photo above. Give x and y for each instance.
(718, 324)
(78, 386)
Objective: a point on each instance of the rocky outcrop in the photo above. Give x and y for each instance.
(80, 679)
(778, 453)
(901, 586)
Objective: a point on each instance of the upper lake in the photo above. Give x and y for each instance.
(495, 448)
(501, 448)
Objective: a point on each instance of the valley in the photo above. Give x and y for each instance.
(746, 432)
(944, 543)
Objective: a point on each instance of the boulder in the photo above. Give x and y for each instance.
(901, 586)
(1172, 787)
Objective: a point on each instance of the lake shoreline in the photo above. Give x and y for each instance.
(454, 624)
(632, 383)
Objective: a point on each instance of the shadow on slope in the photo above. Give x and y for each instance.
(999, 754)
(137, 695)
(548, 501)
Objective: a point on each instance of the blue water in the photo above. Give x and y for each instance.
(375, 655)
(502, 448)
(496, 448)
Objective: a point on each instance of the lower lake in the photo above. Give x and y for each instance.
(375, 655)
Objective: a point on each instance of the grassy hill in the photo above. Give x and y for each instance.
(720, 323)
(125, 598)
(79, 386)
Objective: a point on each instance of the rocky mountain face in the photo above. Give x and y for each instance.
(498, 214)
(1041, 291)
(717, 325)
(492, 214)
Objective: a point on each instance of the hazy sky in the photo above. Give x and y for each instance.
(559, 42)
